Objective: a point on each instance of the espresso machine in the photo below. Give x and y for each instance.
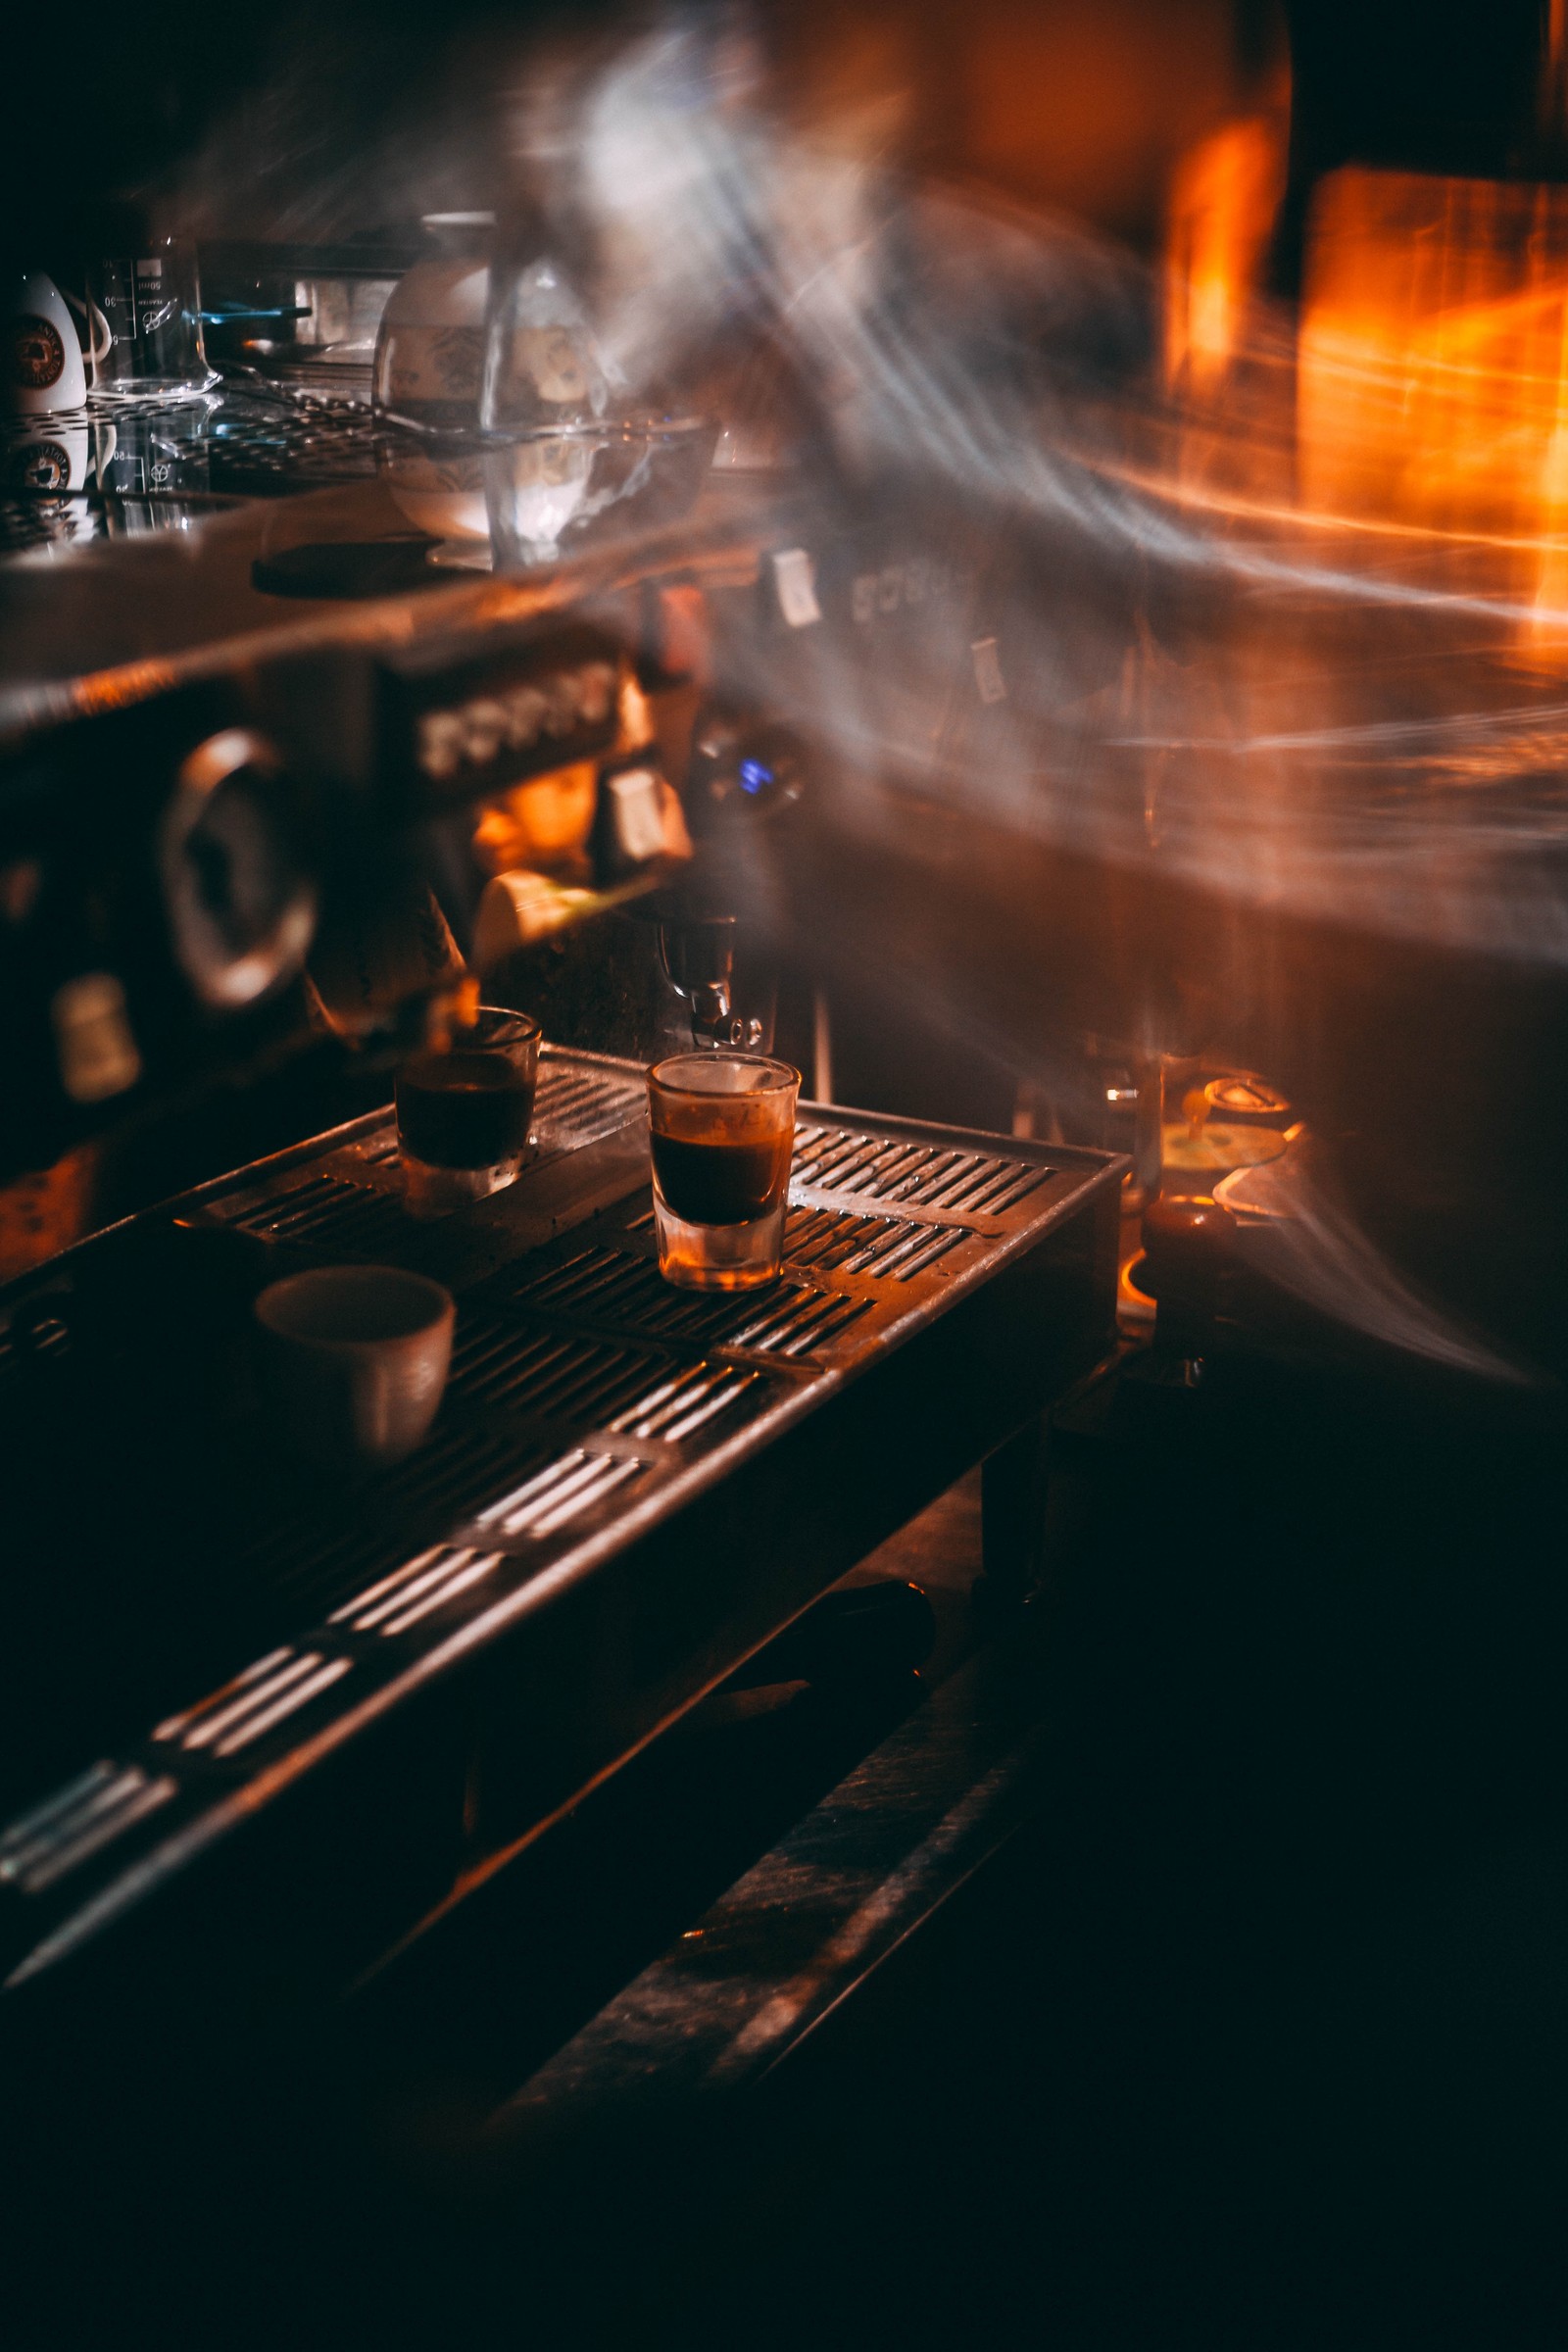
(271, 1732)
(922, 745)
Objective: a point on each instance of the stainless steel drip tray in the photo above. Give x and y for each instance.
(629, 1487)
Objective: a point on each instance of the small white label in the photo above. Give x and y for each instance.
(795, 579)
(98, 1057)
(988, 670)
(639, 816)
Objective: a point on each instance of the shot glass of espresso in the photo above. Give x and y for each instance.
(722, 1128)
(463, 1113)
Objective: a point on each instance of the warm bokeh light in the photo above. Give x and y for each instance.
(1224, 199)
(1432, 381)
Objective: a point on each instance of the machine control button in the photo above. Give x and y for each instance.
(596, 691)
(441, 744)
(485, 726)
(513, 721)
(563, 703)
(525, 716)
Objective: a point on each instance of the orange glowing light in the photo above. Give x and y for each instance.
(1432, 366)
(545, 822)
(45, 1211)
(1224, 199)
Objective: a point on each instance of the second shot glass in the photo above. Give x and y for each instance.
(722, 1131)
(464, 1112)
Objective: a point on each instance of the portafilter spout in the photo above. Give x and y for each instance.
(697, 956)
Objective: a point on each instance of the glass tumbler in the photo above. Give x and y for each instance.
(722, 1132)
(463, 1113)
(149, 300)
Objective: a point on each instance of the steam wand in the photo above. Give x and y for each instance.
(698, 954)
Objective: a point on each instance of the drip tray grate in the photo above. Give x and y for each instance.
(560, 1493)
(877, 1167)
(575, 1106)
(595, 1285)
(588, 1402)
(253, 1703)
(312, 1548)
(432, 1580)
(550, 1374)
(77, 1822)
(545, 1373)
(322, 1212)
(890, 1249)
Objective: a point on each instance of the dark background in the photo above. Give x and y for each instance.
(352, 116)
(1261, 2041)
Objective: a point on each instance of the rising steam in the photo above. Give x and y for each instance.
(959, 352)
(1235, 637)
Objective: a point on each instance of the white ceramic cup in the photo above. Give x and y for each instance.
(354, 1360)
(46, 454)
(429, 362)
(46, 371)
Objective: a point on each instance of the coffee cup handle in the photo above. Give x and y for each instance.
(95, 320)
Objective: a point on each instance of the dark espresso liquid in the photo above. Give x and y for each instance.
(720, 1184)
(463, 1110)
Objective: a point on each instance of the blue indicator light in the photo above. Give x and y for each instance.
(754, 777)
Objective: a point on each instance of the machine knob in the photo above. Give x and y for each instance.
(241, 911)
(743, 774)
